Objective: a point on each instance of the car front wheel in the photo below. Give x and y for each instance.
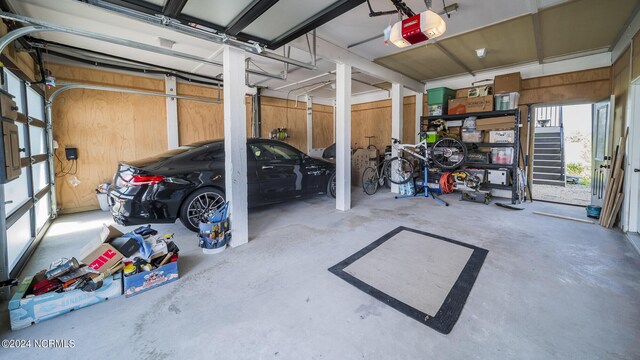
(198, 205)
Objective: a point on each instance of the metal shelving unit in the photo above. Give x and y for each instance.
(424, 123)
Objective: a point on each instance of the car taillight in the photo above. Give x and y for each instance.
(138, 180)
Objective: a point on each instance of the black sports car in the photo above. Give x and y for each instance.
(188, 182)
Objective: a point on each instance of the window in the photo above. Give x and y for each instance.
(213, 152)
(260, 153)
(281, 152)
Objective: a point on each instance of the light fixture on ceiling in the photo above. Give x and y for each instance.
(418, 28)
(481, 53)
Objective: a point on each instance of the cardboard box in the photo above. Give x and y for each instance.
(25, 312)
(507, 83)
(462, 93)
(145, 281)
(360, 160)
(496, 123)
(99, 254)
(501, 136)
(457, 106)
(480, 104)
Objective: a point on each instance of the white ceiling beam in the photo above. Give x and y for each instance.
(336, 54)
(626, 35)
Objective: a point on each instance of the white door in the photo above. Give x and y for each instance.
(633, 152)
(600, 150)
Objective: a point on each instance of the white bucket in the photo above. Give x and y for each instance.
(102, 200)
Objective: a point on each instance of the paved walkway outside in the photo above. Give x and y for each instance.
(570, 194)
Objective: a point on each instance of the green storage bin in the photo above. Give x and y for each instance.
(441, 95)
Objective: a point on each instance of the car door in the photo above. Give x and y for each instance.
(278, 171)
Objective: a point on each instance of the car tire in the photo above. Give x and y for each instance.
(196, 204)
(331, 186)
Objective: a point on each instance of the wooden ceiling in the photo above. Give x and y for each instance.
(566, 30)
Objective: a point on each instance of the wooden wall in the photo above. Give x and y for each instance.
(374, 119)
(574, 87)
(106, 127)
(620, 89)
(21, 60)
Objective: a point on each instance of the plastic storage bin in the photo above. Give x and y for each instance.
(471, 136)
(440, 96)
(502, 156)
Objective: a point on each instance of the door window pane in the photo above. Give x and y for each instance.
(42, 212)
(40, 176)
(38, 141)
(14, 87)
(16, 191)
(34, 104)
(18, 238)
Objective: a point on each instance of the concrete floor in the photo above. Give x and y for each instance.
(549, 289)
(574, 194)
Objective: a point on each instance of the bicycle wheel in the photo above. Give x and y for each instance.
(448, 153)
(370, 180)
(399, 170)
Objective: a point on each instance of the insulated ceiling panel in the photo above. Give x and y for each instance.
(218, 12)
(422, 63)
(285, 15)
(582, 25)
(507, 43)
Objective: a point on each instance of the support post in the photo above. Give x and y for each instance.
(173, 138)
(235, 143)
(309, 124)
(419, 112)
(396, 121)
(343, 137)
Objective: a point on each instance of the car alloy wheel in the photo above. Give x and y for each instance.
(201, 206)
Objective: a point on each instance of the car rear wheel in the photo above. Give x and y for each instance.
(198, 205)
(331, 186)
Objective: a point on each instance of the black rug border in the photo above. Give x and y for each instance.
(450, 310)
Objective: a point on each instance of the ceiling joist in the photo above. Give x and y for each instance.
(454, 58)
(538, 37)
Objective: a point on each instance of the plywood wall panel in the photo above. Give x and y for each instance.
(198, 120)
(621, 83)
(281, 113)
(106, 78)
(106, 127)
(409, 120)
(322, 126)
(635, 62)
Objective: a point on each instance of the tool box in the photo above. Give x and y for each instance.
(26, 309)
(143, 281)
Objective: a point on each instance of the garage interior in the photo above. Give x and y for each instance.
(514, 269)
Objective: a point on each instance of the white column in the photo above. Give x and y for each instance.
(343, 137)
(419, 108)
(396, 121)
(309, 124)
(170, 86)
(235, 143)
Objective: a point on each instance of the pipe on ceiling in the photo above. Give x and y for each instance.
(43, 26)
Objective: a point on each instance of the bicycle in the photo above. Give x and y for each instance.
(447, 153)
